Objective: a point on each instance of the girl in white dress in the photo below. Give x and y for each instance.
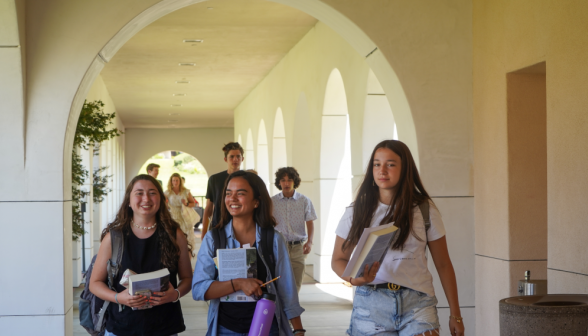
(177, 195)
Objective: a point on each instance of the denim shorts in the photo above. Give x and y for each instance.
(403, 312)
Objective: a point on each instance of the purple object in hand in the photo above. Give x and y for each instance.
(263, 316)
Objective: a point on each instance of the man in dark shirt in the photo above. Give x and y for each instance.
(233, 158)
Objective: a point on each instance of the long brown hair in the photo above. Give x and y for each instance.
(409, 193)
(263, 214)
(167, 227)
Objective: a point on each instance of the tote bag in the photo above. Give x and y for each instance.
(190, 215)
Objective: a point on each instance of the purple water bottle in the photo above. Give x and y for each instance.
(263, 316)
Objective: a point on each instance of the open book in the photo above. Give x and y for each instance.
(234, 264)
(372, 246)
(147, 283)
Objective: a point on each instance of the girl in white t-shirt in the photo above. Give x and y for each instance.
(396, 297)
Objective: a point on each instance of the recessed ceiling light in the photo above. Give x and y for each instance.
(210, 8)
(193, 41)
(174, 114)
(179, 94)
(173, 120)
(183, 82)
(187, 64)
(176, 105)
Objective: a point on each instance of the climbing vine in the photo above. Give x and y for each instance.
(92, 129)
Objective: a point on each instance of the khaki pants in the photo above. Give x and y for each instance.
(297, 258)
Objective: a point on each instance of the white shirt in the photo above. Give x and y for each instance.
(292, 213)
(408, 267)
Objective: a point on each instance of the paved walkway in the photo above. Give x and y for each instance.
(328, 309)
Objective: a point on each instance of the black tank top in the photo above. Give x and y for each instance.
(142, 256)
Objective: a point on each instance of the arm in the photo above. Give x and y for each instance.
(340, 260)
(207, 214)
(310, 230)
(190, 201)
(447, 275)
(287, 289)
(98, 280)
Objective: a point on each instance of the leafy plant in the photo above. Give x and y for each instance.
(92, 129)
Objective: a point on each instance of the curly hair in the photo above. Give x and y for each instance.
(263, 214)
(292, 174)
(233, 146)
(166, 229)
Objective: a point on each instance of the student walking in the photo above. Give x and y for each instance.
(178, 196)
(152, 241)
(246, 214)
(153, 171)
(397, 297)
(292, 211)
(214, 197)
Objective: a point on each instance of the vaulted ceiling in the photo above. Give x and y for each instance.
(242, 40)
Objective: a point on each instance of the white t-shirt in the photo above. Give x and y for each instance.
(408, 267)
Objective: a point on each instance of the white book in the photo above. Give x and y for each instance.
(372, 246)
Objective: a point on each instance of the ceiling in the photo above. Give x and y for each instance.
(242, 41)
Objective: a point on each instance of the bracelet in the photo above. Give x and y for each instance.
(179, 295)
(299, 331)
(457, 318)
(234, 290)
(115, 299)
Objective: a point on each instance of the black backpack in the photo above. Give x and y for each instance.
(92, 308)
(267, 245)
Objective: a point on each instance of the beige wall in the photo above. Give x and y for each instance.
(423, 62)
(205, 144)
(510, 36)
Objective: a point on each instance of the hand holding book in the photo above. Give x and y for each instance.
(159, 298)
(369, 274)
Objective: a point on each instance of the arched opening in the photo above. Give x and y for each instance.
(378, 118)
(188, 166)
(262, 154)
(303, 155)
(335, 169)
(279, 149)
(249, 151)
(323, 12)
(240, 141)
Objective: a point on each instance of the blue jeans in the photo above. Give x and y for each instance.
(108, 333)
(222, 331)
(404, 312)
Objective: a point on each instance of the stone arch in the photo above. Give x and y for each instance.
(262, 154)
(335, 169)
(249, 151)
(279, 149)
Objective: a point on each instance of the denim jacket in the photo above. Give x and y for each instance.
(287, 305)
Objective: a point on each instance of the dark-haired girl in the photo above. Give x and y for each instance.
(152, 241)
(396, 297)
(248, 202)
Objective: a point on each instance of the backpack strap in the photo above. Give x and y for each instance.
(424, 206)
(220, 240)
(113, 265)
(267, 248)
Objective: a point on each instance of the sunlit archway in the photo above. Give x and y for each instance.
(279, 149)
(186, 165)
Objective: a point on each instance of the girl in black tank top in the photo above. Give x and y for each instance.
(152, 241)
(142, 256)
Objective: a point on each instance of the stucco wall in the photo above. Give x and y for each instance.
(509, 36)
(205, 144)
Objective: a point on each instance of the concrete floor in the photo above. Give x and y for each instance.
(328, 309)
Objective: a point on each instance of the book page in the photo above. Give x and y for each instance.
(379, 250)
(235, 264)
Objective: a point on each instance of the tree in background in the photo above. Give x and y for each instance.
(92, 129)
